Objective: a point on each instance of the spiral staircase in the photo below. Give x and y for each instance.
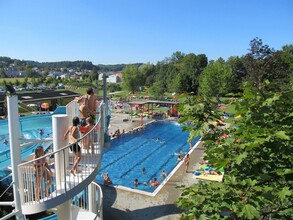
(66, 187)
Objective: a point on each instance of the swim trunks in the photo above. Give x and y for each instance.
(75, 148)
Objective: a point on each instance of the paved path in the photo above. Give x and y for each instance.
(120, 204)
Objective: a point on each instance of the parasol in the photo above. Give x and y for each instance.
(45, 105)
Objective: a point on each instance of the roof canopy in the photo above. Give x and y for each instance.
(153, 102)
(42, 96)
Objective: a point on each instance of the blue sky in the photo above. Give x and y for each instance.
(132, 31)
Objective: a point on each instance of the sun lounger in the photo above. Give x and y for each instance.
(209, 177)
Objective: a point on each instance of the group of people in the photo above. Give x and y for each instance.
(186, 160)
(87, 110)
(87, 106)
(152, 182)
(117, 133)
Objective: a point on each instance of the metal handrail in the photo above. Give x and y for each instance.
(99, 209)
(96, 199)
(52, 192)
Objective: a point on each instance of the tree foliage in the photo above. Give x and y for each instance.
(217, 78)
(257, 157)
(132, 78)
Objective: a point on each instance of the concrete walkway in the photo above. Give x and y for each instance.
(121, 204)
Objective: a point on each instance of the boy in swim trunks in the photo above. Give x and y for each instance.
(73, 132)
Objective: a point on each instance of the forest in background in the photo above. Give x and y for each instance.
(195, 74)
(77, 65)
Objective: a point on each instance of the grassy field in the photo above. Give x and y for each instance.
(12, 80)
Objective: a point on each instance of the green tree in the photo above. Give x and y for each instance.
(216, 79)
(157, 90)
(259, 63)
(283, 67)
(148, 74)
(132, 78)
(239, 72)
(191, 68)
(257, 157)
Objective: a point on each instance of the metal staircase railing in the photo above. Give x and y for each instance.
(91, 199)
(53, 190)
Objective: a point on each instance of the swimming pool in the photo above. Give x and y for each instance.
(29, 128)
(128, 154)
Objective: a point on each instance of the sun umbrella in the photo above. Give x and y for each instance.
(223, 107)
(45, 105)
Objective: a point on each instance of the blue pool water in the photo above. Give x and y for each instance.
(128, 154)
(29, 126)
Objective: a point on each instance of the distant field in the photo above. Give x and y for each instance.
(12, 80)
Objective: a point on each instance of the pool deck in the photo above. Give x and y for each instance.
(121, 204)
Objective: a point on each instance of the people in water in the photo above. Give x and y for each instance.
(135, 182)
(164, 174)
(180, 153)
(41, 131)
(158, 140)
(5, 141)
(143, 170)
(154, 182)
(179, 158)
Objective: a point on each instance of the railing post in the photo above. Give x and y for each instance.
(60, 125)
(91, 197)
(14, 135)
(102, 128)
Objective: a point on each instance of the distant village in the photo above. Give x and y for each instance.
(64, 73)
(14, 71)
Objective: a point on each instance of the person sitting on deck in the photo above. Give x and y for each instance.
(210, 170)
(107, 180)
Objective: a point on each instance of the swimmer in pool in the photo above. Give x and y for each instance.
(135, 182)
(5, 141)
(154, 182)
(164, 174)
(41, 131)
(180, 153)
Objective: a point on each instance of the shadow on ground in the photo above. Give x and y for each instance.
(111, 212)
(153, 212)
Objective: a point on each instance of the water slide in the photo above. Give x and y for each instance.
(29, 126)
